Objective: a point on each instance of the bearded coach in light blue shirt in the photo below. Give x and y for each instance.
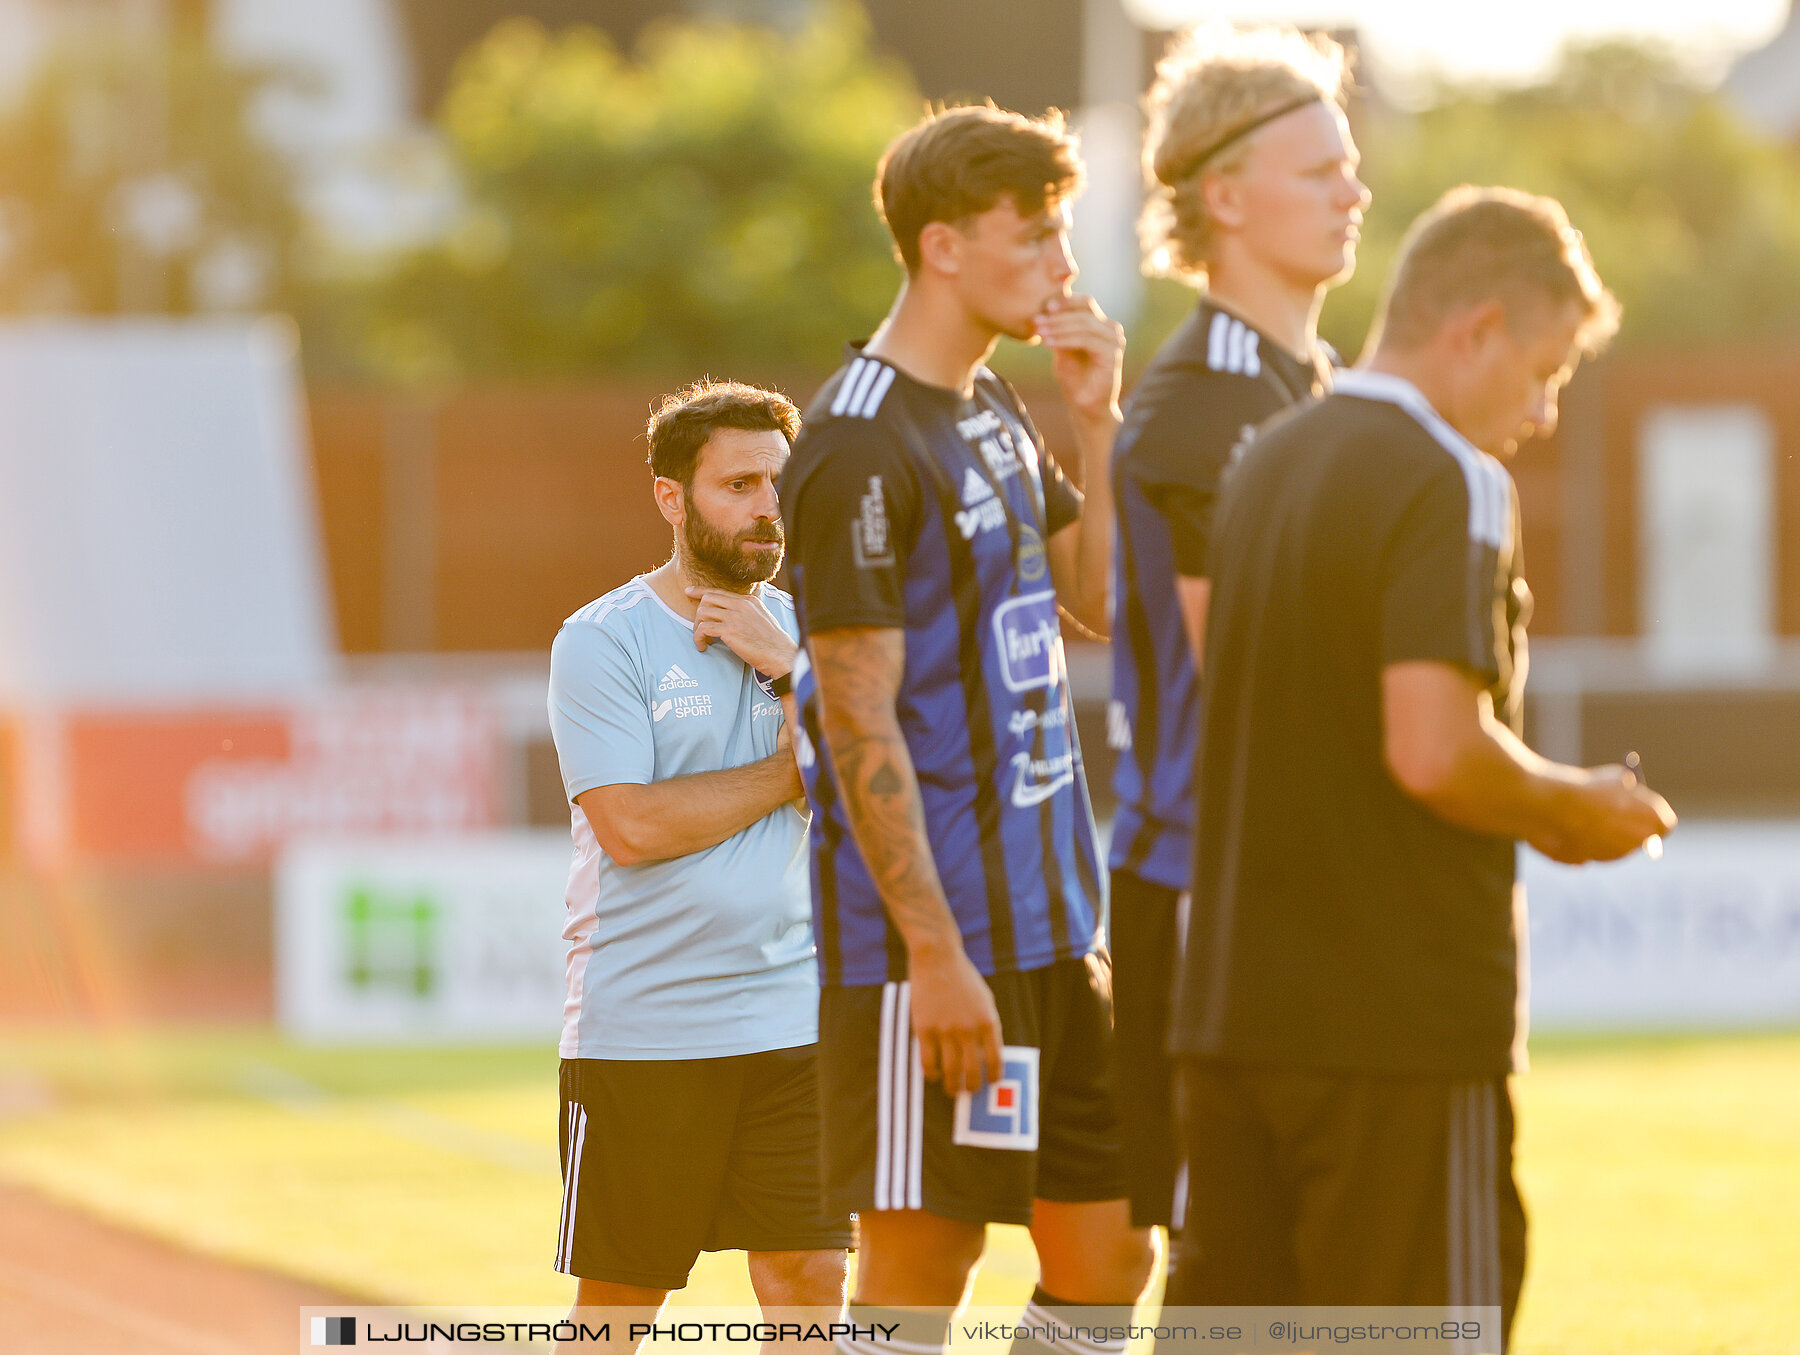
(689, 1090)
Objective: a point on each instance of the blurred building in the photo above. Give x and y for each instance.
(1765, 84)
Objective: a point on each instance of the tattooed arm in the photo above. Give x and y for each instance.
(857, 670)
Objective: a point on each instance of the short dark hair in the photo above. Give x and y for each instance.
(685, 420)
(1479, 244)
(959, 162)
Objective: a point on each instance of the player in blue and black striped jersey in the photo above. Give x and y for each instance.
(1258, 206)
(966, 1042)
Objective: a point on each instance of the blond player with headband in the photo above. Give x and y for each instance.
(1256, 204)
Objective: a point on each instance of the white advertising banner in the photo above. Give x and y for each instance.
(455, 939)
(1708, 936)
(459, 939)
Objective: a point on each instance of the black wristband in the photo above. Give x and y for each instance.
(777, 687)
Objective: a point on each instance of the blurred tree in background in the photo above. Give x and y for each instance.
(1693, 218)
(702, 207)
(132, 180)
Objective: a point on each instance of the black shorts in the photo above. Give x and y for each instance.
(1047, 1130)
(1143, 956)
(665, 1159)
(1347, 1189)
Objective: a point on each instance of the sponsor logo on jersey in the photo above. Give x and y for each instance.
(1001, 459)
(1033, 562)
(871, 546)
(983, 423)
(675, 679)
(1003, 1114)
(983, 517)
(1038, 778)
(1022, 722)
(1029, 641)
(975, 489)
(681, 708)
(989, 435)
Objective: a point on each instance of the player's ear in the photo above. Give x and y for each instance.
(671, 501)
(1223, 195)
(941, 248)
(1468, 330)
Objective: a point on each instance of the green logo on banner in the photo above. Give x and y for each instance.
(392, 941)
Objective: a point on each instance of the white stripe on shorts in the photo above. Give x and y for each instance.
(1474, 1204)
(899, 1105)
(565, 1228)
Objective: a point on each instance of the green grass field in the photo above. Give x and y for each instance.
(1662, 1176)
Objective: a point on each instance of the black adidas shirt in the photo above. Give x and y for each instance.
(1208, 388)
(1336, 922)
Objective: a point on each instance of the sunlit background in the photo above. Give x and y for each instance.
(327, 334)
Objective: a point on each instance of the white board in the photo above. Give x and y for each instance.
(159, 537)
(1706, 545)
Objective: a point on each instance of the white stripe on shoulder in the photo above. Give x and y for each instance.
(1218, 334)
(1490, 492)
(864, 379)
(848, 386)
(621, 599)
(1234, 349)
(877, 393)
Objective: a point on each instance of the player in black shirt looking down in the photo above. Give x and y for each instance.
(1345, 1009)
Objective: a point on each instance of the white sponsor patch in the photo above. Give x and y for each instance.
(1029, 641)
(871, 545)
(1003, 1114)
(681, 708)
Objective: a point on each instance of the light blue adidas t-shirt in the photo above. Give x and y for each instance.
(698, 956)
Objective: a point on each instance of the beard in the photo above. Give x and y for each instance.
(719, 557)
